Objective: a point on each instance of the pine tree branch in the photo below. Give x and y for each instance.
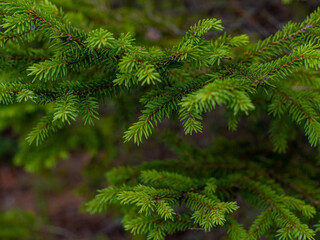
(296, 188)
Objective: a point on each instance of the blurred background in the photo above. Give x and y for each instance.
(43, 189)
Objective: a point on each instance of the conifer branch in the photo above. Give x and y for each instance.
(191, 78)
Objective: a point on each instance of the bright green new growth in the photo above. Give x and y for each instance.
(160, 193)
(227, 79)
(165, 202)
(73, 71)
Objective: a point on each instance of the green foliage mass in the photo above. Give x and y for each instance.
(65, 73)
(17, 224)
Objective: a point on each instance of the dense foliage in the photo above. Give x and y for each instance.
(64, 73)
